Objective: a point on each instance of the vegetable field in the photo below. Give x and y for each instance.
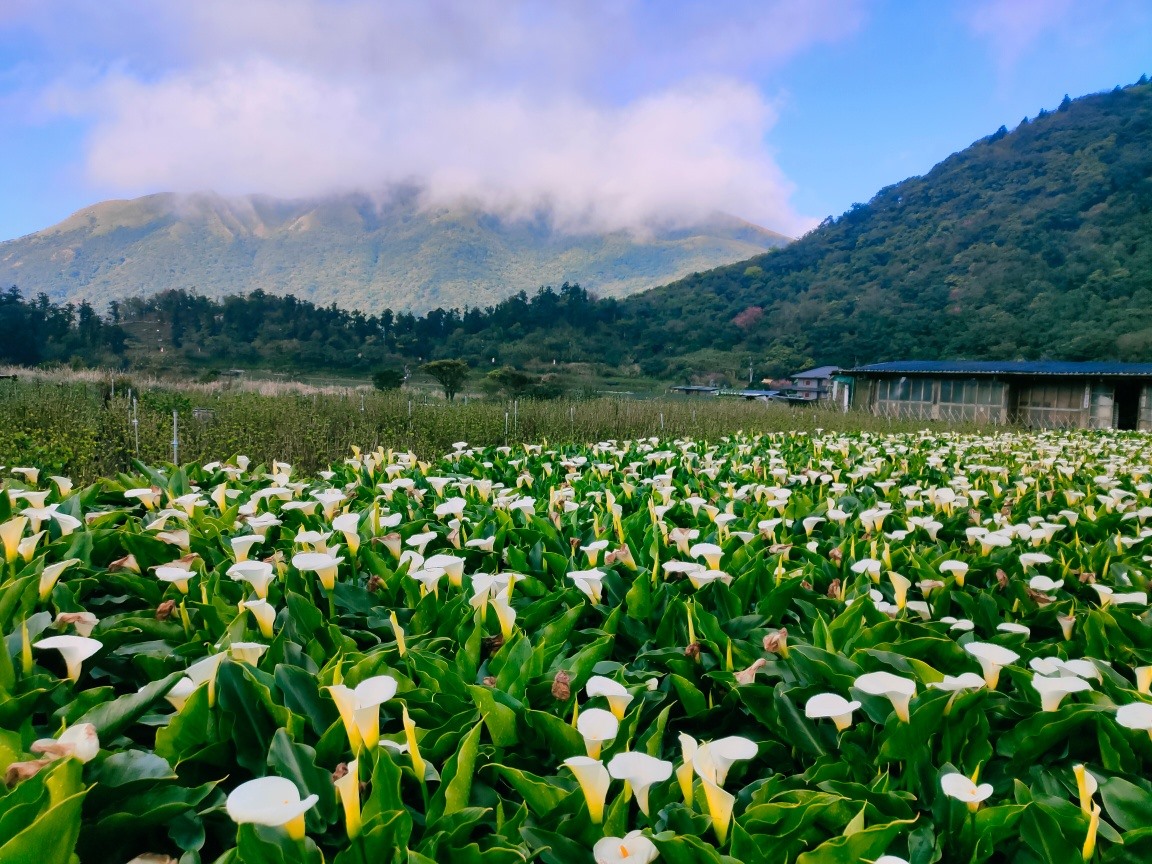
(819, 648)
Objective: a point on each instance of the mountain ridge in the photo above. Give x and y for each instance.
(352, 250)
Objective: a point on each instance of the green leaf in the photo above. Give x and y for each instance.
(112, 718)
(51, 839)
(456, 779)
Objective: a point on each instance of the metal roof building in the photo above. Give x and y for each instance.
(1037, 393)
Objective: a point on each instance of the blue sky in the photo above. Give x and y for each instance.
(610, 114)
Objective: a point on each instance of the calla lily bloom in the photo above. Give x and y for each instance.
(348, 788)
(84, 622)
(179, 694)
(594, 781)
(590, 582)
(359, 708)
(1135, 715)
(640, 771)
(831, 705)
(505, 614)
(242, 545)
(10, 534)
(348, 524)
(899, 691)
(593, 550)
(962, 788)
(322, 564)
(51, 574)
(74, 649)
(1143, 679)
(452, 566)
(247, 652)
(632, 848)
(1053, 690)
(177, 575)
(958, 569)
(78, 742)
(205, 671)
(258, 574)
(720, 802)
(992, 659)
(900, 586)
(597, 726)
(413, 744)
(727, 751)
(271, 801)
(616, 693)
(263, 612)
(710, 552)
(963, 681)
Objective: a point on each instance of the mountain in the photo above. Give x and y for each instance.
(1030, 243)
(350, 250)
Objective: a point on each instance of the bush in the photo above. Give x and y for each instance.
(388, 379)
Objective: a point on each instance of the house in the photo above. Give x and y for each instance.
(1045, 394)
(812, 385)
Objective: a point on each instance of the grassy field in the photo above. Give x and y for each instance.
(78, 426)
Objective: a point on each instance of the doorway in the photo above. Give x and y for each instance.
(1127, 404)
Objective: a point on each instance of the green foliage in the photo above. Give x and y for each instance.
(388, 379)
(449, 374)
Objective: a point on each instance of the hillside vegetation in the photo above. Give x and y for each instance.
(351, 250)
(1028, 244)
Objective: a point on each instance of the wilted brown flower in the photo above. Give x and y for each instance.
(374, 583)
(341, 771)
(806, 585)
(489, 681)
(777, 643)
(747, 676)
(834, 589)
(560, 686)
(1088, 578)
(18, 771)
(164, 610)
(692, 651)
(1002, 579)
(128, 562)
(835, 555)
(494, 643)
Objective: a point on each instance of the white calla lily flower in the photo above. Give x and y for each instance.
(270, 801)
(899, 691)
(1053, 690)
(632, 848)
(640, 771)
(992, 659)
(74, 649)
(594, 781)
(832, 706)
(597, 727)
(359, 708)
(616, 693)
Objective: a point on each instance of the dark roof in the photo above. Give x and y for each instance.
(694, 388)
(818, 372)
(1003, 367)
(749, 394)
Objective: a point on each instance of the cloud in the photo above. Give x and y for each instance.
(610, 114)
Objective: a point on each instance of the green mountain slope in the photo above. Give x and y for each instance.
(349, 251)
(1030, 243)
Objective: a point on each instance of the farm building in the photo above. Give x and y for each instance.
(1041, 394)
(813, 385)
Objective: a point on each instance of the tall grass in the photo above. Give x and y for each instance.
(80, 428)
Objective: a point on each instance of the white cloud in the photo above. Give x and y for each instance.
(610, 113)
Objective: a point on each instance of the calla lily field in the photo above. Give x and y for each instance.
(797, 647)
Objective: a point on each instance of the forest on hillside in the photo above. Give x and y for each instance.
(1031, 243)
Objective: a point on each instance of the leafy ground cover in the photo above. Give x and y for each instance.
(810, 648)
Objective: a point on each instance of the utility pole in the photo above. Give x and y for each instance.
(749, 370)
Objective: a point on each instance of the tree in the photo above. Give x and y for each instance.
(450, 374)
(389, 378)
(510, 379)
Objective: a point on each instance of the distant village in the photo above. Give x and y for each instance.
(1041, 394)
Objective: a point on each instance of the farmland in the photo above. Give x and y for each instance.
(789, 647)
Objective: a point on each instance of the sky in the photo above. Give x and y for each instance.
(607, 114)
